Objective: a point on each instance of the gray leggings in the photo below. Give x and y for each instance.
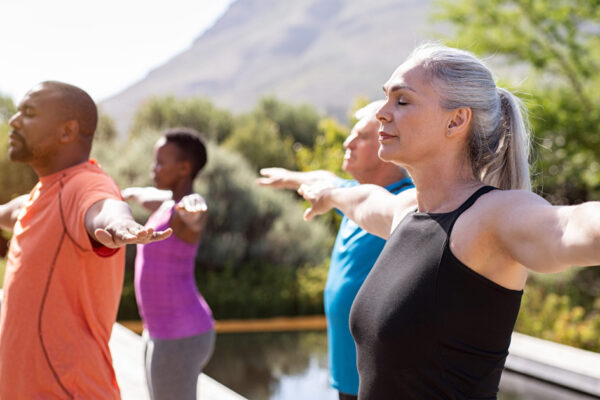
(173, 365)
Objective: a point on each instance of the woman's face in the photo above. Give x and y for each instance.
(166, 170)
(413, 124)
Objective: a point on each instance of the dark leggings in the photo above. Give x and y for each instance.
(344, 396)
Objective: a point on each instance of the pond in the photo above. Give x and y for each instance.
(293, 366)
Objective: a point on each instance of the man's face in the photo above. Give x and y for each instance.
(33, 137)
(362, 145)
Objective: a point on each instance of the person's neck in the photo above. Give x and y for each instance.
(182, 189)
(383, 177)
(443, 189)
(50, 167)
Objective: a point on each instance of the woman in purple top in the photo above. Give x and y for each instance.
(179, 328)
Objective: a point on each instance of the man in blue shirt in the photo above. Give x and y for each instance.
(355, 250)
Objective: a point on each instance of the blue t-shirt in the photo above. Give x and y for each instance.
(354, 253)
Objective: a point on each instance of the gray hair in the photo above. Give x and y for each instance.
(370, 110)
(498, 145)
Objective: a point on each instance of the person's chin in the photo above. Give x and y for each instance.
(18, 156)
(384, 154)
(345, 165)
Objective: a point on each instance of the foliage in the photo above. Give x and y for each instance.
(106, 129)
(298, 123)
(328, 150)
(560, 42)
(160, 113)
(7, 108)
(261, 143)
(270, 134)
(251, 224)
(2, 269)
(255, 234)
(261, 290)
(16, 178)
(553, 310)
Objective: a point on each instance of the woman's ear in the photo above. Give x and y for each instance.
(185, 168)
(459, 123)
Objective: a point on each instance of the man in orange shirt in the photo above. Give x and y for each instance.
(65, 270)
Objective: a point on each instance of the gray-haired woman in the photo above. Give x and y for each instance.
(433, 319)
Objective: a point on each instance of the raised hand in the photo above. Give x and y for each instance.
(192, 210)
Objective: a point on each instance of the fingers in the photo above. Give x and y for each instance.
(274, 177)
(193, 204)
(129, 193)
(160, 235)
(308, 214)
(264, 181)
(135, 234)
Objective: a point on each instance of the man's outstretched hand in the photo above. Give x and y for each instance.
(111, 224)
(118, 234)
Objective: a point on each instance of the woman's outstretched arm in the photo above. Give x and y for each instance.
(547, 238)
(372, 207)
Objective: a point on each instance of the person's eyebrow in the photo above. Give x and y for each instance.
(395, 88)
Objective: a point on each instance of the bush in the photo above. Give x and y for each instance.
(555, 308)
(16, 178)
(160, 113)
(256, 243)
(262, 290)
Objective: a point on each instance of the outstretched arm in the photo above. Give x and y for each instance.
(548, 238)
(110, 223)
(148, 197)
(372, 207)
(282, 178)
(189, 219)
(10, 211)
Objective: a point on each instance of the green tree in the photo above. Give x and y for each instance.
(559, 42)
(259, 140)
(328, 150)
(168, 112)
(106, 130)
(298, 122)
(273, 131)
(7, 108)
(251, 232)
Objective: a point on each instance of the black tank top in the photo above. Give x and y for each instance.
(426, 326)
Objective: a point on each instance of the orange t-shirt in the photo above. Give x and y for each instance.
(60, 296)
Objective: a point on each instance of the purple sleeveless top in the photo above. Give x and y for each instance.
(165, 289)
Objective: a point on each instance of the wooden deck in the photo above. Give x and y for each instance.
(127, 352)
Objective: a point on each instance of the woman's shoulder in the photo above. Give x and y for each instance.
(500, 208)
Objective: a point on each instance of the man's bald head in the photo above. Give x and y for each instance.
(76, 105)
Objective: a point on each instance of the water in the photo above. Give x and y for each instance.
(293, 366)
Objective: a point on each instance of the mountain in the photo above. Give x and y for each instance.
(321, 52)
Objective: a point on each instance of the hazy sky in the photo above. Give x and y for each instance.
(100, 46)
